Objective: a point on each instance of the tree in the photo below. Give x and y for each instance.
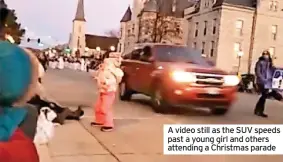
(158, 26)
(12, 27)
(113, 33)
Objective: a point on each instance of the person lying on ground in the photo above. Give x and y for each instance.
(42, 99)
(63, 113)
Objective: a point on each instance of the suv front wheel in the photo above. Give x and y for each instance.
(159, 104)
(124, 92)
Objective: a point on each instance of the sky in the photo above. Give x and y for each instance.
(51, 20)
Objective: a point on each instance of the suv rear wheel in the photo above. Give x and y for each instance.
(159, 104)
(219, 111)
(124, 92)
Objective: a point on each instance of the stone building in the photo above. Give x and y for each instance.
(159, 21)
(127, 30)
(233, 33)
(82, 44)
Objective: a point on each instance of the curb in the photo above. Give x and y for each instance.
(44, 154)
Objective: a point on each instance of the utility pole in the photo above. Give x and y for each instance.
(252, 40)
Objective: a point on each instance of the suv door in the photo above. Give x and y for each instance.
(144, 69)
(130, 69)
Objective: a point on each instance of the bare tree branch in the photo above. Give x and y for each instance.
(159, 27)
(113, 33)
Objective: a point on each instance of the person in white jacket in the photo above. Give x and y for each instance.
(108, 77)
(60, 64)
(83, 64)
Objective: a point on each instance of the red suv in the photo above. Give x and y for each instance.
(176, 76)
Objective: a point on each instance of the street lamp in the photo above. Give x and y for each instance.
(240, 54)
(112, 48)
(98, 49)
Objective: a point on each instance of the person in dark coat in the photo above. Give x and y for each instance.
(43, 60)
(264, 70)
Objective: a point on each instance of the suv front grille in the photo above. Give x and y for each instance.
(209, 83)
(208, 79)
(209, 96)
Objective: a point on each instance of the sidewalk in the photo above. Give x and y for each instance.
(72, 143)
(134, 140)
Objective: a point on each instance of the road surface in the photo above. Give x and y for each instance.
(139, 131)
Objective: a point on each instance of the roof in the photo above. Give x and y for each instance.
(93, 41)
(150, 6)
(166, 7)
(80, 14)
(142, 45)
(182, 5)
(127, 16)
(244, 3)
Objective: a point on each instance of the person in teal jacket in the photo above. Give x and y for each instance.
(18, 121)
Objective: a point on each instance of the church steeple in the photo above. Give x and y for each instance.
(80, 14)
(77, 42)
(127, 16)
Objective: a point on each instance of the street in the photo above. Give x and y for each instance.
(139, 131)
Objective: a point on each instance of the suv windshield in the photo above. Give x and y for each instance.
(179, 54)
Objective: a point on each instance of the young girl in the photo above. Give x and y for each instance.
(108, 77)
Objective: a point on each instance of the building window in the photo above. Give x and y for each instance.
(273, 5)
(194, 45)
(133, 28)
(272, 51)
(206, 3)
(274, 31)
(205, 28)
(214, 26)
(237, 47)
(239, 27)
(212, 48)
(196, 29)
(202, 47)
(120, 47)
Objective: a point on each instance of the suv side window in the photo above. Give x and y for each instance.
(146, 54)
(136, 54)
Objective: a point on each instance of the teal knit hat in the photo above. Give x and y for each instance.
(17, 78)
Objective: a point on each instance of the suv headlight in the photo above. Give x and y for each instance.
(183, 77)
(231, 80)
